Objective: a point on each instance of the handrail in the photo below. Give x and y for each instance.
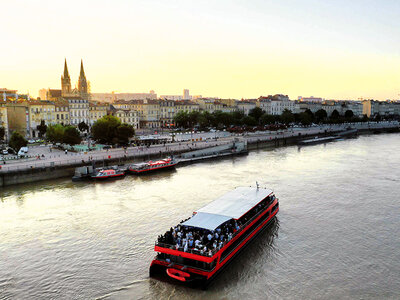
(193, 251)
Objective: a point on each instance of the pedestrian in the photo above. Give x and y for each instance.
(66, 151)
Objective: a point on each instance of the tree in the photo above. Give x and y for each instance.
(205, 119)
(124, 133)
(181, 119)
(82, 126)
(348, 114)
(104, 130)
(55, 133)
(310, 113)
(2, 132)
(249, 121)
(42, 128)
(193, 118)
(267, 119)
(17, 141)
(256, 113)
(335, 115)
(305, 118)
(237, 116)
(321, 115)
(287, 117)
(71, 136)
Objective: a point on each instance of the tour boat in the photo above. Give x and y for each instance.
(108, 173)
(194, 252)
(152, 166)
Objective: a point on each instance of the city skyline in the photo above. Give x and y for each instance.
(227, 49)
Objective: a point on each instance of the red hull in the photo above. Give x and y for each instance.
(133, 171)
(207, 276)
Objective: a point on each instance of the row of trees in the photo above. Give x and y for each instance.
(258, 117)
(110, 130)
(107, 130)
(57, 133)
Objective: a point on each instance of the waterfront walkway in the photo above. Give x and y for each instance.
(53, 157)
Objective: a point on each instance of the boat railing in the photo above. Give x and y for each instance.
(183, 265)
(198, 252)
(192, 251)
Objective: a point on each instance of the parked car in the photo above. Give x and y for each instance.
(31, 141)
(4, 152)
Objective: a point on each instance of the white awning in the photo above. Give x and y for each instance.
(237, 202)
(232, 205)
(206, 221)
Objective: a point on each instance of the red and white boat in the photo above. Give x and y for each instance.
(108, 173)
(197, 249)
(152, 166)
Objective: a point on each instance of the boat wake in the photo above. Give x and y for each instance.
(122, 288)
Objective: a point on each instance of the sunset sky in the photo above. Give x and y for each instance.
(238, 49)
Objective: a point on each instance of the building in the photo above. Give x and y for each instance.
(310, 99)
(97, 110)
(167, 113)
(8, 94)
(18, 118)
(276, 104)
(62, 115)
(4, 120)
(171, 97)
(43, 94)
(112, 97)
(186, 105)
(40, 111)
(127, 116)
(186, 95)
(245, 106)
(78, 110)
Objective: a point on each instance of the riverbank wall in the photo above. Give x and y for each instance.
(48, 171)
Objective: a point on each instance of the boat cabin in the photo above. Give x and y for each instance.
(215, 232)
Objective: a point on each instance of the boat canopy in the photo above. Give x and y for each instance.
(232, 205)
(206, 221)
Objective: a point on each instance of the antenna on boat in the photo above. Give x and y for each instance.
(257, 185)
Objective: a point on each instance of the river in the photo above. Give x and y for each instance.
(337, 234)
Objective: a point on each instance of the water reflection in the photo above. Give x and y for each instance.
(60, 239)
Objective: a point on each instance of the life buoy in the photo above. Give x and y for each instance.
(177, 274)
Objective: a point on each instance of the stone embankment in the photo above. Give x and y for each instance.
(60, 165)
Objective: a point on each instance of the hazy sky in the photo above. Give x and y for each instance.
(332, 49)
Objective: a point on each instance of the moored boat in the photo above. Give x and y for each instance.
(195, 251)
(152, 166)
(108, 173)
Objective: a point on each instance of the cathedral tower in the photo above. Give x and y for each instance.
(82, 83)
(65, 81)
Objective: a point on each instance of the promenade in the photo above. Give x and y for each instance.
(57, 158)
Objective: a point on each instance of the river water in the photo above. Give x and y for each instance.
(337, 234)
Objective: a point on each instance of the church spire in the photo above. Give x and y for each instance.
(82, 83)
(65, 81)
(82, 74)
(66, 74)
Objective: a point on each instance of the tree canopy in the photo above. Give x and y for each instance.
(256, 113)
(71, 136)
(82, 126)
(2, 132)
(17, 141)
(109, 130)
(321, 115)
(42, 128)
(348, 114)
(55, 133)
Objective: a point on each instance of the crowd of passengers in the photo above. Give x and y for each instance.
(207, 242)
